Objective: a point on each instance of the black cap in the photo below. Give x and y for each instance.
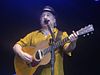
(49, 9)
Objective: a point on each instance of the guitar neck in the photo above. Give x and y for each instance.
(59, 43)
(55, 46)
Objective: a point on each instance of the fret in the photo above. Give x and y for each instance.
(44, 51)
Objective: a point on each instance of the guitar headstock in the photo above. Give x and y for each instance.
(85, 30)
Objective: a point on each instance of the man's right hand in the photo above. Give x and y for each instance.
(26, 57)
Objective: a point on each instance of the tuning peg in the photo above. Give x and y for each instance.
(87, 33)
(91, 32)
(89, 25)
(84, 35)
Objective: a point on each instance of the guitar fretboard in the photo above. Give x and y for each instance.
(55, 45)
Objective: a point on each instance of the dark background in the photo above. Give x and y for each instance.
(19, 17)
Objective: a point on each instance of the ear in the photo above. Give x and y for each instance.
(55, 23)
(54, 20)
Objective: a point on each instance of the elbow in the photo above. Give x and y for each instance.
(73, 46)
(14, 47)
(70, 47)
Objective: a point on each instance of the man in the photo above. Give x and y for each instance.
(36, 37)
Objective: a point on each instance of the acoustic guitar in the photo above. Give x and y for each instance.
(42, 53)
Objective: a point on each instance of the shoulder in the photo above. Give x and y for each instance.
(34, 32)
(64, 33)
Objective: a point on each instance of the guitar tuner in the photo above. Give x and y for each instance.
(91, 32)
(87, 33)
(84, 35)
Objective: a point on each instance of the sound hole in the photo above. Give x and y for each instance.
(37, 55)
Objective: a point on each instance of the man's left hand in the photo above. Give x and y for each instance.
(73, 37)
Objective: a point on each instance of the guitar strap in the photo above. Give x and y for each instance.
(59, 36)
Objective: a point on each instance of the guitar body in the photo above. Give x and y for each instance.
(22, 68)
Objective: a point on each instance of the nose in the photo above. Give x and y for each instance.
(45, 17)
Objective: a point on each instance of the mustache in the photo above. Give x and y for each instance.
(46, 21)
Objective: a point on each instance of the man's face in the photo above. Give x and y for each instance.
(47, 16)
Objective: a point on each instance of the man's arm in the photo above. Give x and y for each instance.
(71, 46)
(18, 50)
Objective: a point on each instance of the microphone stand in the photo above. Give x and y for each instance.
(52, 42)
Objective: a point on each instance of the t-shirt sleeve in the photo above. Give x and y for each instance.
(26, 41)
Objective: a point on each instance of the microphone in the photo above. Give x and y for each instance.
(46, 21)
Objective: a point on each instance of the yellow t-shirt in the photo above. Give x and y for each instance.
(35, 37)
